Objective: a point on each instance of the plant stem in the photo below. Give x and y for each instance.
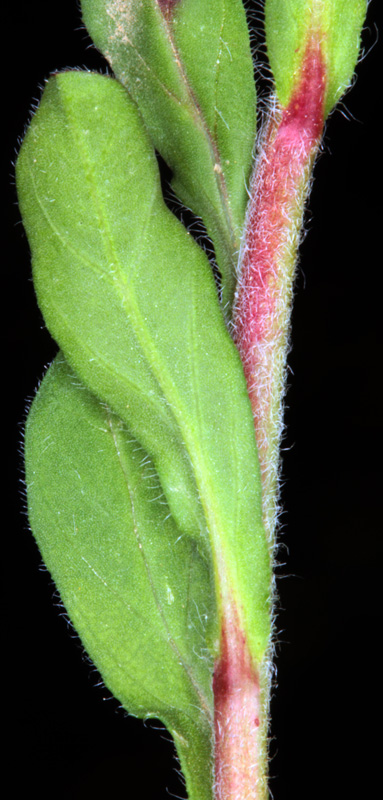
(260, 328)
(240, 773)
(262, 308)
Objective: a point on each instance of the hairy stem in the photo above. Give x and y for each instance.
(240, 731)
(260, 328)
(263, 302)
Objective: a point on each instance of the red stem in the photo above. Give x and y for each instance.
(262, 306)
(272, 234)
(261, 320)
(237, 714)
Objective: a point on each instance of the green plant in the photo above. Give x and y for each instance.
(152, 505)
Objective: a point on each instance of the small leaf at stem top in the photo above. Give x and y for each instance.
(336, 24)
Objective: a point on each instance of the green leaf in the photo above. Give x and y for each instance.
(138, 592)
(89, 193)
(336, 23)
(131, 300)
(188, 66)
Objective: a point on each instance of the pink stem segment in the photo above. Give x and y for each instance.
(260, 327)
(262, 306)
(237, 715)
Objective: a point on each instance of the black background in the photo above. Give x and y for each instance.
(64, 739)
